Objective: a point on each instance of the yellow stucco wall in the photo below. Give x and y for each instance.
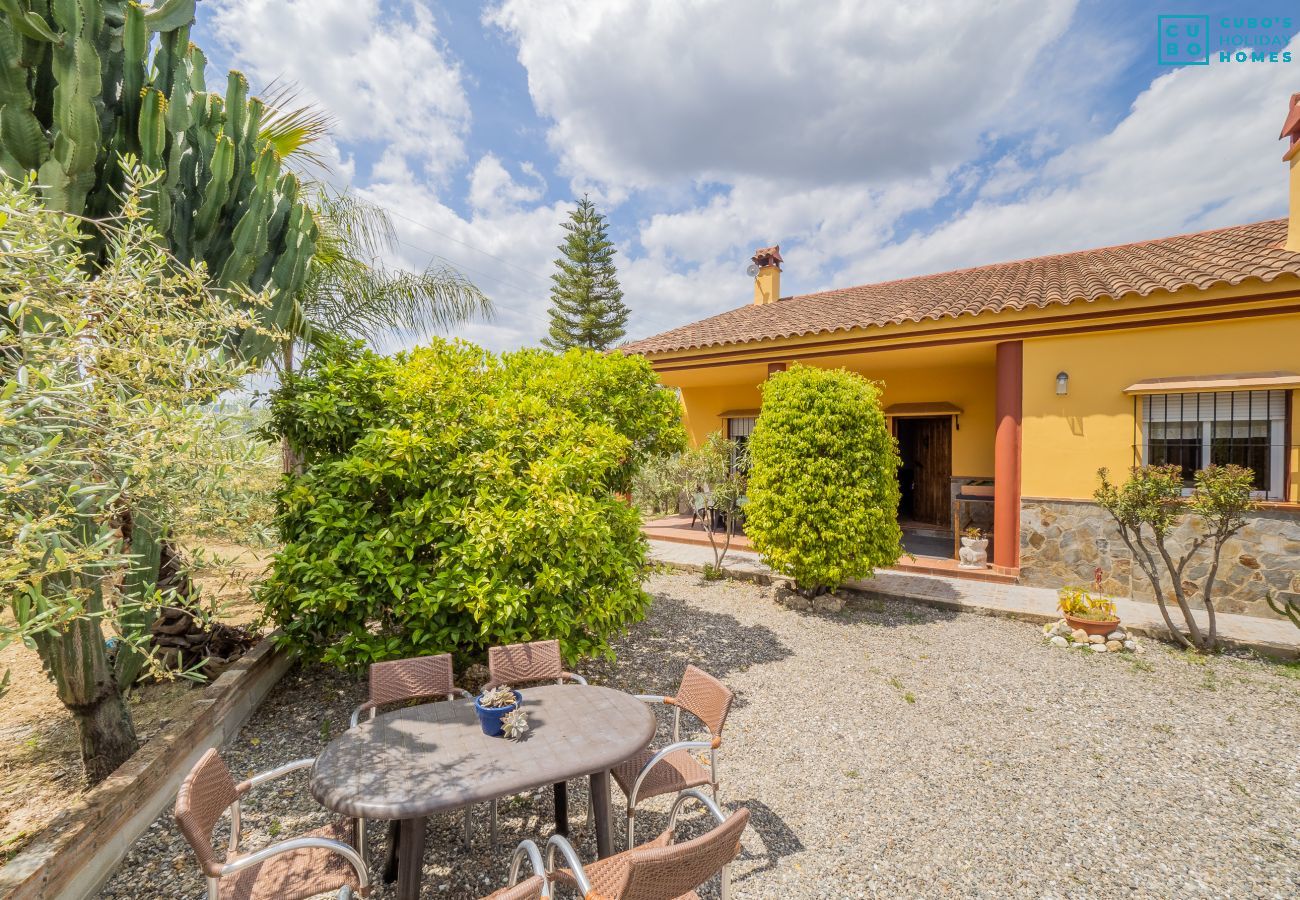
(1066, 439)
(966, 379)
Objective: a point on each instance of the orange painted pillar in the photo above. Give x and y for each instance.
(1006, 455)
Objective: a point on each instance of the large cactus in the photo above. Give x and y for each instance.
(79, 92)
(84, 84)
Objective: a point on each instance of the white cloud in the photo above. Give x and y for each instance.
(802, 91)
(505, 245)
(1197, 150)
(383, 72)
(492, 189)
(831, 128)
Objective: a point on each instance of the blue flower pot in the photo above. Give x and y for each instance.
(490, 718)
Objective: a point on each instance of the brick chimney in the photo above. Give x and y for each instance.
(1291, 129)
(767, 281)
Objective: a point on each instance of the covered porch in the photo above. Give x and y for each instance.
(955, 410)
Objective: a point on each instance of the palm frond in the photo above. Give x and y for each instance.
(369, 301)
(350, 226)
(294, 127)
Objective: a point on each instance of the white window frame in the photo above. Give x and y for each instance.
(1204, 414)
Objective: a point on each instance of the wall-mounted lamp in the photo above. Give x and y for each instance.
(1062, 384)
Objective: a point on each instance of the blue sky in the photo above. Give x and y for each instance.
(871, 141)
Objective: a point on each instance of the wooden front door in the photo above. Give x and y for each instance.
(925, 445)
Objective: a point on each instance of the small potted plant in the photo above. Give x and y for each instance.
(494, 705)
(1092, 612)
(974, 553)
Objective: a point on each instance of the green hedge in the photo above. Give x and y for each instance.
(453, 499)
(823, 479)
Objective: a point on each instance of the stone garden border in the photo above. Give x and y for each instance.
(77, 852)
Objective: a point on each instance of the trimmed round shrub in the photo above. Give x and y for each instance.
(823, 479)
(453, 500)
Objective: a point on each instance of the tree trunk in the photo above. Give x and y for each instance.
(107, 735)
(77, 660)
(290, 463)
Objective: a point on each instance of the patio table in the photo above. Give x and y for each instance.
(411, 763)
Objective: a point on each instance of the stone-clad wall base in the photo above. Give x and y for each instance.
(1065, 541)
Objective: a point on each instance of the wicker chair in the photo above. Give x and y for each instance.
(516, 664)
(674, 768)
(304, 866)
(400, 681)
(658, 869)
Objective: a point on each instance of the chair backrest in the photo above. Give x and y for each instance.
(411, 679)
(663, 873)
(521, 663)
(205, 794)
(705, 697)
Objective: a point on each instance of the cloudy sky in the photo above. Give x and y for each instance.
(870, 140)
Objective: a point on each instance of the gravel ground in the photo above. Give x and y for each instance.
(894, 751)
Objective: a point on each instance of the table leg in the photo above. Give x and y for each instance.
(410, 859)
(562, 808)
(390, 857)
(600, 806)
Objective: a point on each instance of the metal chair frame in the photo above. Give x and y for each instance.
(528, 850)
(558, 844)
(677, 744)
(351, 854)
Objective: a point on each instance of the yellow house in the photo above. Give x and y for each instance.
(1009, 385)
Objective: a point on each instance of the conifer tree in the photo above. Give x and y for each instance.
(587, 307)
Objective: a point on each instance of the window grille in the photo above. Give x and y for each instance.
(739, 430)
(1191, 431)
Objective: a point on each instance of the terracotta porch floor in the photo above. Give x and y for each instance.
(677, 529)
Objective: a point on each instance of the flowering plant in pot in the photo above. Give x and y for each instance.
(1092, 612)
(498, 707)
(974, 549)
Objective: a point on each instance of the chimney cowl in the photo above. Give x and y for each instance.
(768, 256)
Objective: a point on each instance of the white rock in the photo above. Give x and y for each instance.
(1130, 645)
(1059, 641)
(1079, 635)
(1098, 648)
(1096, 639)
(1116, 635)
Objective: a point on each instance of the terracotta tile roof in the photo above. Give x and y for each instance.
(1201, 260)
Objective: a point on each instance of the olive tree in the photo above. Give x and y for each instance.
(823, 479)
(1151, 505)
(107, 377)
(716, 472)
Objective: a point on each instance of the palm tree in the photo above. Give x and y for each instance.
(349, 291)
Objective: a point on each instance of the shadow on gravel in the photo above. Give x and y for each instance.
(655, 652)
(778, 838)
(884, 609)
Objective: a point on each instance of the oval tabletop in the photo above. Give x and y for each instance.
(420, 760)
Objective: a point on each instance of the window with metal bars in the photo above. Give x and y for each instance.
(1191, 431)
(739, 429)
